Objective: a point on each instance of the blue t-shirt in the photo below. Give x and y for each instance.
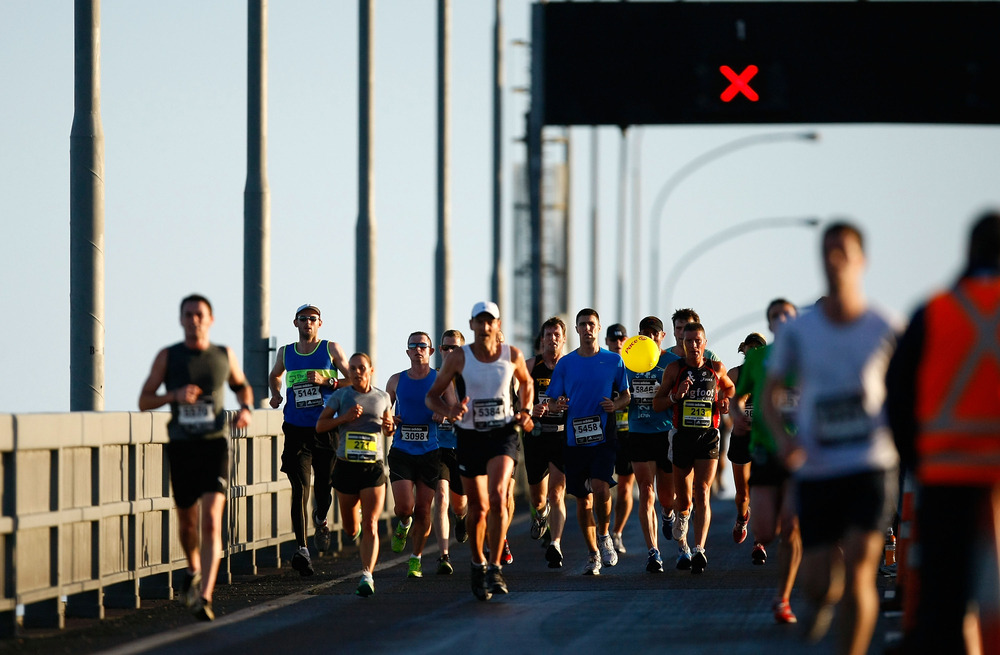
(586, 381)
(643, 386)
(418, 434)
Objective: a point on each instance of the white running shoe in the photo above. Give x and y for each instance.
(593, 565)
(609, 556)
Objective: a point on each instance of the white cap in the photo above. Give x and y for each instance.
(485, 306)
(308, 306)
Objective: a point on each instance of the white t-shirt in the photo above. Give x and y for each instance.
(840, 371)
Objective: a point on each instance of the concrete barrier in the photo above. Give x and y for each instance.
(87, 520)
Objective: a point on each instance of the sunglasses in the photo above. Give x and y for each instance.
(311, 319)
(448, 349)
(420, 346)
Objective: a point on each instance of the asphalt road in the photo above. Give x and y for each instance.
(726, 609)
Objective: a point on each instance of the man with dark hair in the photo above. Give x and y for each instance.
(582, 385)
(194, 373)
(698, 390)
(944, 409)
(841, 455)
(310, 367)
(544, 446)
(615, 339)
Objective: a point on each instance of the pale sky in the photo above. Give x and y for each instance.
(173, 109)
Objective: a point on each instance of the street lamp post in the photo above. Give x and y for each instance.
(726, 235)
(684, 172)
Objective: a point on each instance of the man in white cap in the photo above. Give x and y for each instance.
(310, 366)
(487, 440)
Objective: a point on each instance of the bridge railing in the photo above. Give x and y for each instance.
(87, 519)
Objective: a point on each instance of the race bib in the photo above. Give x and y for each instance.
(543, 398)
(307, 395)
(587, 430)
(198, 418)
(842, 420)
(360, 446)
(644, 390)
(621, 420)
(414, 433)
(445, 426)
(487, 413)
(696, 414)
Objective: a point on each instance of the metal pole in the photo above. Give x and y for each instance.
(364, 320)
(86, 215)
(595, 227)
(621, 228)
(442, 260)
(497, 286)
(536, 115)
(636, 259)
(256, 209)
(567, 223)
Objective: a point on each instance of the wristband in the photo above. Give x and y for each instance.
(247, 407)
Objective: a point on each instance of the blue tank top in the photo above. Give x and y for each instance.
(418, 433)
(304, 400)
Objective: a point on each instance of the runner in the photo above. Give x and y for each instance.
(193, 372)
(544, 446)
(649, 449)
(310, 367)
(449, 487)
(614, 339)
(698, 390)
(739, 444)
(772, 494)
(582, 385)
(843, 457)
(363, 414)
(487, 439)
(414, 459)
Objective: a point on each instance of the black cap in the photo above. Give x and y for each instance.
(651, 323)
(616, 331)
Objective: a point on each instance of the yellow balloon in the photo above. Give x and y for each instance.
(640, 353)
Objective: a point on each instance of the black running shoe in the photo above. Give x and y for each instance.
(554, 556)
(479, 588)
(461, 532)
(203, 610)
(191, 590)
(698, 560)
(495, 581)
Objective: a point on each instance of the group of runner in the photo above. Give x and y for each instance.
(587, 424)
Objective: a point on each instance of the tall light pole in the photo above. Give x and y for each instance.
(684, 172)
(718, 238)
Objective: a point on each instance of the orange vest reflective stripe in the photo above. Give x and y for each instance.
(958, 386)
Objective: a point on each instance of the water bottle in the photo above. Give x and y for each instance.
(890, 548)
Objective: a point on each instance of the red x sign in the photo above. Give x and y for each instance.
(739, 83)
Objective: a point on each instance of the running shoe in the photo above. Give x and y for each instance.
(593, 566)
(506, 557)
(680, 527)
(302, 563)
(783, 612)
(538, 521)
(413, 569)
(461, 532)
(654, 563)
(366, 587)
(494, 580)
(191, 589)
(479, 588)
(399, 536)
(759, 555)
(740, 528)
(616, 539)
(699, 560)
(554, 556)
(607, 547)
(321, 538)
(444, 565)
(667, 519)
(203, 610)
(683, 558)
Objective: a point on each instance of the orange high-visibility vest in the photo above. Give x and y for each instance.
(958, 386)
